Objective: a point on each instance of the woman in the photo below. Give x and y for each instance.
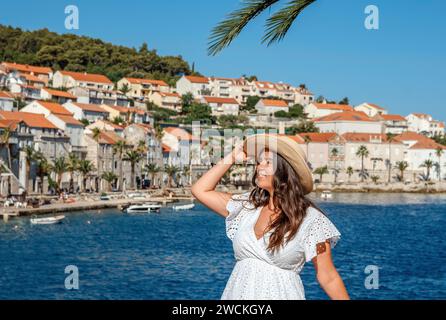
(275, 228)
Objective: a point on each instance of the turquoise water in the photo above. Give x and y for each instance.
(186, 255)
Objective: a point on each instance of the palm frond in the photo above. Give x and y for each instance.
(278, 24)
(227, 30)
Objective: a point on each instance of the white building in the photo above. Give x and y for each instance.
(6, 101)
(46, 108)
(198, 86)
(423, 123)
(90, 112)
(56, 95)
(316, 110)
(69, 79)
(348, 121)
(371, 109)
(166, 100)
(420, 148)
(303, 96)
(222, 106)
(269, 107)
(142, 88)
(393, 123)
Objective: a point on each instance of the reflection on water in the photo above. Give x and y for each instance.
(186, 255)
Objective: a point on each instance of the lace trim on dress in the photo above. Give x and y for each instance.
(235, 208)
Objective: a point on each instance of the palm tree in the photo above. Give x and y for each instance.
(390, 137)
(110, 177)
(307, 141)
(30, 156)
(363, 153)
(4, 142)
(349, 171)
(119, 148)
(59, 168)
(43, 168)
(85, 167)
(334, 153)
(96, 136)
(439, 152)
(428, 164)
(72, 167)
(152, 169)
(402, 166)
(133, 156)
(171, 171)
(375, 179)
(277, 24)
(321, 171)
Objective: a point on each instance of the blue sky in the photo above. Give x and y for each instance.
(401, 66)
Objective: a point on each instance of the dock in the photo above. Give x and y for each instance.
(85, 206)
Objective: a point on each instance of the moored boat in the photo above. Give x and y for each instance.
(143, 208)
(47, 220)
(326, 194)
(184, 207)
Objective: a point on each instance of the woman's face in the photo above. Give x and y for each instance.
(265, 171)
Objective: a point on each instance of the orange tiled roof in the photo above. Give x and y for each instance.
(58, 93)
(366, 137)
(27, 68)
(127, 110)
(428, 144)
(421, 115)
(274, 103)
(7, 95)
(87, 77)
(169, 94)
(195, 79)
(332, 106)
(31, 78)
(345, 116)
(89, 107)
(318, 136)
(31, 119)
(392, 117)
(69, 120)
(411, 136)
(147, 81)
(11, 124)
(180, 134)
(54, 108)
(220, 100)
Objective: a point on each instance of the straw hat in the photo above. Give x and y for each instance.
(289, 149)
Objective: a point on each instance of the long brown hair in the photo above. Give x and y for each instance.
(289, 201)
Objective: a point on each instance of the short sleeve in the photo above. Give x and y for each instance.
(235, 207)
(319, 229)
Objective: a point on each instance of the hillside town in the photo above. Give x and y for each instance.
(74, 132)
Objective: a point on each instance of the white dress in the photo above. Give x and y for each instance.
(260, 275)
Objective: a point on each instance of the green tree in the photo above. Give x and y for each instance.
(119, 148)
(59, 168)
(133, 157)
(321, 171)
(277, 25)
(29, 155)
(401, 166)
(390, 137)
(171, 171)
(302, 127)
(72, 167)
(439, 152)
(349, 172)
(110, 177)
(152, 169)
(362, 152)
(428, 164)
(86, 167)
(187, 100)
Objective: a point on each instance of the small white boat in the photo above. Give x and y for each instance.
(48, 220)
(143, 208)
(184, 207)
(326, 194)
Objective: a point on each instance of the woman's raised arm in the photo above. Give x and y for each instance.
(204, 188)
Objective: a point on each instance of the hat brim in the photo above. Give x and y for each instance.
(289, 149)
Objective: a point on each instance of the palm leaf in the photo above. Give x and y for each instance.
(278, 25)
(227, 30)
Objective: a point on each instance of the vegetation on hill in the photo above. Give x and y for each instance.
(85, 54)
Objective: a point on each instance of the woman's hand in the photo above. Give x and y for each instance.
(204, 188)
